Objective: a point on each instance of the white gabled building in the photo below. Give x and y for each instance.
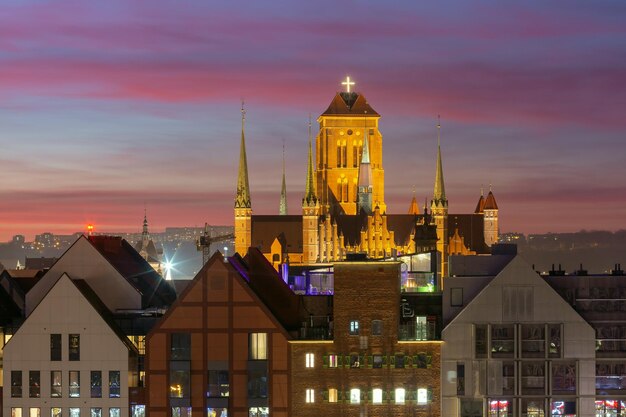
(514, 348)
(68, 359)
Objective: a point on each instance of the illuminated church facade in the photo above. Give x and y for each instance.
(344, 209)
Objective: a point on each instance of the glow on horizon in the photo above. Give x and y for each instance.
(107, 106)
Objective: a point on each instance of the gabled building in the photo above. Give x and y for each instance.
(514, 347)
(69, 358)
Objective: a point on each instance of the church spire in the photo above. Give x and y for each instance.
(144, 233)
(439, 194)
(242, 199)
(283, 192)
(365, 179)
(310, 199)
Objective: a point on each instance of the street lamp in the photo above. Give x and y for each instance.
(225, 253)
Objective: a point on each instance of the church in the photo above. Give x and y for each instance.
(343, 207)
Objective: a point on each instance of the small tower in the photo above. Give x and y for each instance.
(310, 212)
(145, 235)
(365, 180)
(243, 205)
(282, 209)
(490, 219)
(439, 211)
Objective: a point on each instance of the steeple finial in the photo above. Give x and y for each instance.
(242, 199)
(310, 199)
(439, 192)
(283, 191)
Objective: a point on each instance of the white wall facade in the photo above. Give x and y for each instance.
(83, 261)
(65, 311)
(520, 347)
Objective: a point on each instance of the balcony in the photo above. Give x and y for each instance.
(417, 282)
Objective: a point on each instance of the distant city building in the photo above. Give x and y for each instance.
(147, 249)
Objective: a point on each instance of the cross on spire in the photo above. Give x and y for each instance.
(347, 83)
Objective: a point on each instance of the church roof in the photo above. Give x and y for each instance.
(349, 104)
(471, 227)
(351, 225)
(149, 248)
(480, 205)
(266, 228)
(490, 202)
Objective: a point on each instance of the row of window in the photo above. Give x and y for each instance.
(342, 154)
(398, 361)
(180, 346)
(56, 384)
(519, 341)
(56, 347)
(220, 412)
(58, 412)
(376, 396)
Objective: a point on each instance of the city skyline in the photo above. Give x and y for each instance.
(110, 108)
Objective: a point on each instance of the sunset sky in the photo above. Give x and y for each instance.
(109, 105)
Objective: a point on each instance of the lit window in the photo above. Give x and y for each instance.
(422, 395)
(258, 412)
(377, 396)
(218, 384)
(34, 412)
(139, 410)
(74, 347)
(55, 385)
(310, 395)
(400, 395)
(96, 412)
(96, 384)
(74, 412)
(354, 327)
(257, 346)
(114, 384)
(74, 385)
(217, 412)
(55, 412)
(181, 411)
(310, 360)
(115, 412)
(355, 396)
(332, 361)
(16, 412)
(332, 395)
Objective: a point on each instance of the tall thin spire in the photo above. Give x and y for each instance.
(364, 199)
(242, 199)
(144, 234)
(440, 191)
(282, 210)
(310, 199)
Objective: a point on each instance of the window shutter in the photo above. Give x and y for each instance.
(361, 361)
(347, 397)
(392, 360)
(325, 395)
(392, 396)
(385, 362)
(325, 361)
(429, 360)
(408, 361)
(339, 361)
(370, 361)
(422, 360)
(429, 394)
(385, 396)
(346, 362)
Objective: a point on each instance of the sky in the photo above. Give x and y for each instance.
(107, 108)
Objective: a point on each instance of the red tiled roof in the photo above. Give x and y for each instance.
(349, 104)
(490, 202)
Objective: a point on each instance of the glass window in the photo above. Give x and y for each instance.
(377, 327)
(332, 361)
(422, 395)
(310, 395)
(355, 396)
(332, 395)
(218, 384)
(563, 377)
(74, 385)
(471, 408)
(139, 410)
(377, 396)
(310, 360)
(460, 378)
(257, 384)
(55, 347)
(217, 412)
(16, 384)
(554, 340)
(74, 412)
(34, 384)
(563, 408)
(355, 361)
(74, 347)
(181, 411)
(400, 395)
(56, 386)
(456, 297)
(258, 412)
(16, 412)
(181, 347)
(377, 361)
(257, 346)
(502, 341)
(180, 381)
(115, 412)
(114, 384)
(399, 360)
(55, 411)
(610, 408)
(500, 408)
(533, 407)
(96, 412)
(96, 384)
(480, 343)
(354, 327)
(34, 412)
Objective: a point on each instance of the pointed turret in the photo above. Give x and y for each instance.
(243, 204)
(310, 212)
(439, 212)
(365, 180)
(490, 213)
(145, 236)
(282, 210)
(242, 199)
(414, 208)
(439, 194)
(310, 198)
(481, 203)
